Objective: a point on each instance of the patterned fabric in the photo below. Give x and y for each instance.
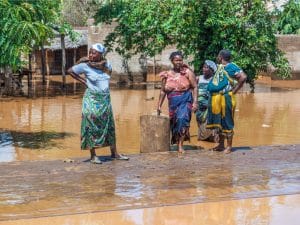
(97, 125)
(176, 82)
(201, 113)
(180, 112)
(211, 65)
(99, 48)
(221, 81)
(221, 112)
(221, 104)
(203, 95)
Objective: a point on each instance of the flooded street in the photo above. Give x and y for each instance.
(277, 210)
(47, 128)
(258, 184)
(35, 189)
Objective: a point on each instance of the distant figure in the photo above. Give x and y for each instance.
(97, 125)
(208, 69)
(226, 82)
(180, 86)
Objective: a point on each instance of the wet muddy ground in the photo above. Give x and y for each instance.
(259, 183)
(55, 188)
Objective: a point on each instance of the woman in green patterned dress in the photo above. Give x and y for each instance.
(97, 125)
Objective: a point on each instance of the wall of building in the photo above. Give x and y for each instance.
(137, 66)
(290, 44)
(97, 34)
(54, 60)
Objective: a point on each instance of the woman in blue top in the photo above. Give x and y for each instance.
(97, 125)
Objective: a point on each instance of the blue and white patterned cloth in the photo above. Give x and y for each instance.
(99, 48)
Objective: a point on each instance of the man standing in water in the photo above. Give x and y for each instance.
(227, 81)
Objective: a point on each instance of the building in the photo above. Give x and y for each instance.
(53, 60)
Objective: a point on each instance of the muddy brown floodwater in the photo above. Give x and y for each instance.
(278, 210)
(48, 127)
(256, 187)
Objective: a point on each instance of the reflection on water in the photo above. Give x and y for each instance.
(46, 188)
(48, 127)
(7, 151)
(260, 211)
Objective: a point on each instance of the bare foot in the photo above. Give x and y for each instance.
(181, 151)
(119, 157)
(227, 150)
(219, 148)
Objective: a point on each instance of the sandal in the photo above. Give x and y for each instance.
(227, 151)
(120, 157)
(96, 160)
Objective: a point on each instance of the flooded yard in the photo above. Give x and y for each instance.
(256, 185)
(46, 128)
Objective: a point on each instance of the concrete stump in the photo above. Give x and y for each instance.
(155, 133)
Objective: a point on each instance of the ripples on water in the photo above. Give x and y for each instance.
(48, 127)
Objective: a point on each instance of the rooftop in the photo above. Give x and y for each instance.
(80, 41)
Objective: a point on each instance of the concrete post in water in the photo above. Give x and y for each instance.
(155, 133)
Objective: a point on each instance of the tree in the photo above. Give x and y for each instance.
(24, 25)
(64, 29)
(199, 28)
(288, 19)
(27, 25)
(76, 12)
(21, 29)
(46, 13)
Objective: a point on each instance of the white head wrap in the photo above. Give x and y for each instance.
(211, 65)
(99, 48)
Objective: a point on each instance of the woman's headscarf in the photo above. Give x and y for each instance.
(99, 48)
(211, 65)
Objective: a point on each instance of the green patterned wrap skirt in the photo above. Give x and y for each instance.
(97, 125)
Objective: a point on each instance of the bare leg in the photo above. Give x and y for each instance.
(228, 149)
(198, 138)
(216, 135)
(94, 158)
(93, 153)
(180, 145)
(113, 151)
(220, 146)
(115, 154)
